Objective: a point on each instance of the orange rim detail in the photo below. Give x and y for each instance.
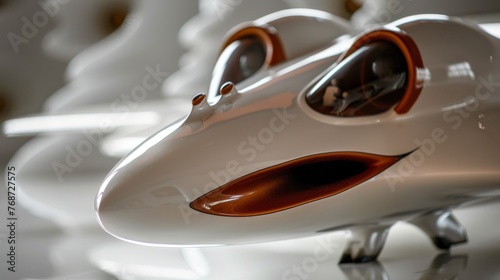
(267, 34)
(413, 59)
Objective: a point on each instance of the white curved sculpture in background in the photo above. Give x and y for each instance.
(111, 71)
(27, 76)
(81, 24)
(68, 164)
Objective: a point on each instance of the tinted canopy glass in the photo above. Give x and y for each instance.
(369, 81)
(240, 60)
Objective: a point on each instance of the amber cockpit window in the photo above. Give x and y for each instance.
(240, 60)
(369, 81)
(246, 51)
(383, 69)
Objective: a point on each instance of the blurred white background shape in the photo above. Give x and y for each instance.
(336, 7)
(142, 53)
(81, 24)
(62, 172)
(27, 75)
(376, 12)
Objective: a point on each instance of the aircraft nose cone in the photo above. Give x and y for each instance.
(144, 197)
(134, 212)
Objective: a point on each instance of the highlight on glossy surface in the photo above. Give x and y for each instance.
(378, 72)
(292, 183)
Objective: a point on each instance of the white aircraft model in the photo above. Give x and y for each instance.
(305, 131)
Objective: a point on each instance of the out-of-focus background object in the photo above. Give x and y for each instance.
(80, 24)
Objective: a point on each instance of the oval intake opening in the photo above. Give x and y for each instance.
(292, 183)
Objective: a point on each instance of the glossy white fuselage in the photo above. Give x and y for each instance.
(451, 130)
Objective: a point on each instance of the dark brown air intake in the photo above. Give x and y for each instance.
(292, 183)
